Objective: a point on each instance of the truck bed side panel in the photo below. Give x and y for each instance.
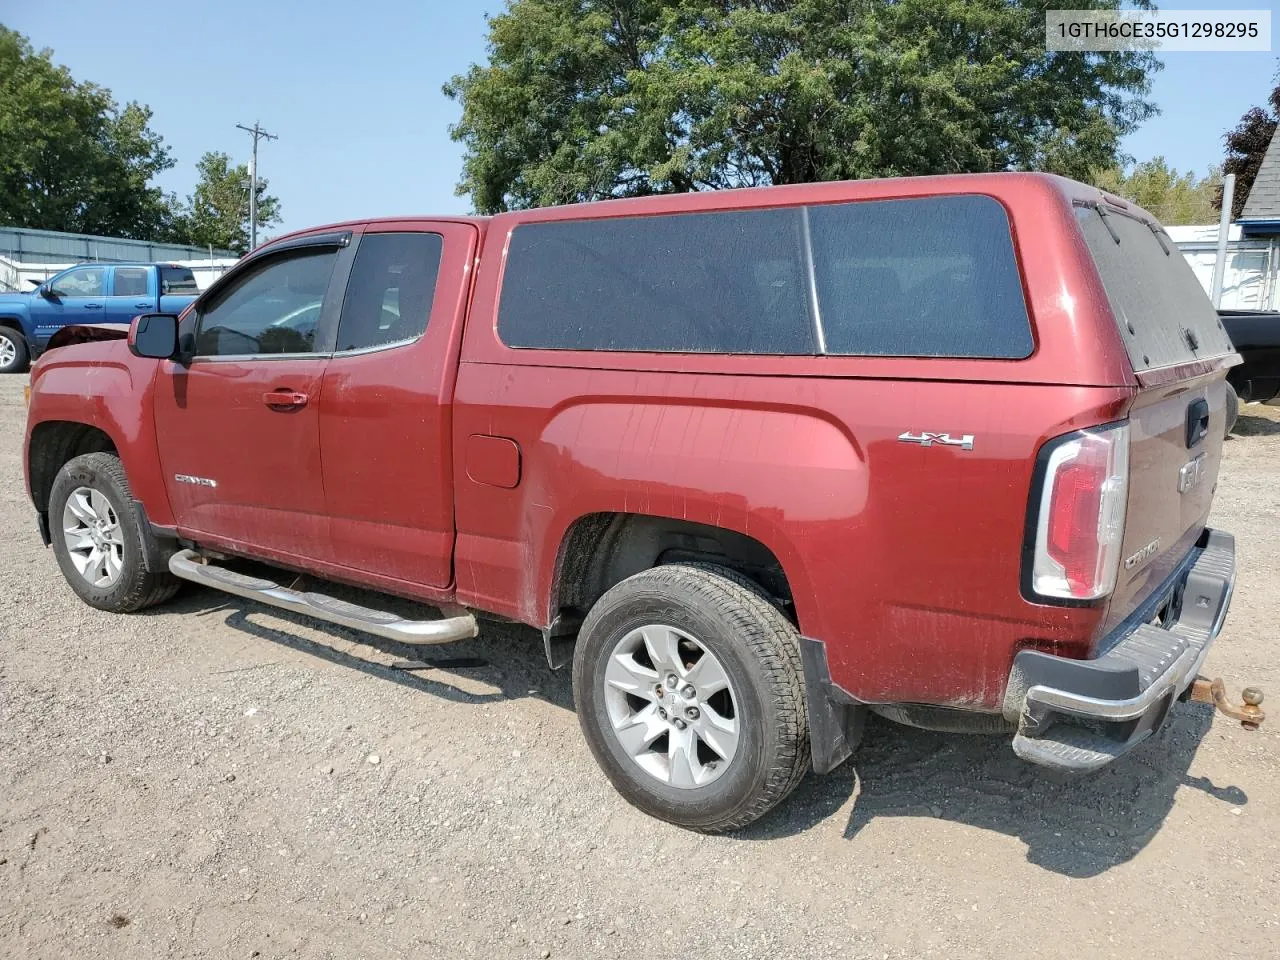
(904, 559)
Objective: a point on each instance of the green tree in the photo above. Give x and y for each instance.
(587, 99)
(1246, 146)
(71, 158)
(1173, 197)
(217, 213)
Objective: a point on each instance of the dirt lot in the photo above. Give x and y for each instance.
(212, 779)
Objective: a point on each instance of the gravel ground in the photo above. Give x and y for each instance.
(213, 779)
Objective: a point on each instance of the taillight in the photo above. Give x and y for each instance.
(1081, 520)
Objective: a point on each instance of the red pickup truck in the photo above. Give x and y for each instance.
(939, 448)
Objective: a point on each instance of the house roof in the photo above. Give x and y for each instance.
(1263, 202)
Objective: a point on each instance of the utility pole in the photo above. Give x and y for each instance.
(1224, 233)
(258, 134)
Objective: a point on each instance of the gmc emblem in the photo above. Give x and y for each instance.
(1191, 474)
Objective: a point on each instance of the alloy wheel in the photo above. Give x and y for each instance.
(94, 539)
(671, 706)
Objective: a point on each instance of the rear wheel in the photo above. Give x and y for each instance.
(1233, 408)
(13, 351)
(97, 540)
(690, 693)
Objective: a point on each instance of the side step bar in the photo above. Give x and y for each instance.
(189, 565)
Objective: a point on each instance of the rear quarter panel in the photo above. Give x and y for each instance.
(904, 559)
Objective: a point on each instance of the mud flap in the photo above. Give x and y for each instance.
(156, 544)
(835, 720)
(559, 638)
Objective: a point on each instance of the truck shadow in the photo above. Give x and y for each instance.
(1249, 425)
(1075, 826)
(507, 659)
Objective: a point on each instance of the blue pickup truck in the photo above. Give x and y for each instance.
(87, 293)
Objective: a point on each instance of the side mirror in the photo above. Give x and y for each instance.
(154, 335)
(46, 291)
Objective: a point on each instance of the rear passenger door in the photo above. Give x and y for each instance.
(130, 294)
(385, 414)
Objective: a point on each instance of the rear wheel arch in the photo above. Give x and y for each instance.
(600, 550)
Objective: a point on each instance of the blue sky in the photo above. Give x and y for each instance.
(353, 90)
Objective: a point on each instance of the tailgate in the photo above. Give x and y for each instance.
(1178, 417)
(1176, 437)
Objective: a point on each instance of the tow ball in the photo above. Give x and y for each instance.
(1249, 713)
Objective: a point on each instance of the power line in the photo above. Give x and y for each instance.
(258, 134)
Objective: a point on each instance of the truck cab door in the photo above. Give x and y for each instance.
(237, 424)
(386, 404)
(73, 296)
(132, 292)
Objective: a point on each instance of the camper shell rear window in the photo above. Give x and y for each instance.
(1162, 312)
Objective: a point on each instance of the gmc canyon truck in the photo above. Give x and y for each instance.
(87, 293)
(771, 459)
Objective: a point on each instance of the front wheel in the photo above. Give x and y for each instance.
(690, 692)
(13, 351)
(97, 540)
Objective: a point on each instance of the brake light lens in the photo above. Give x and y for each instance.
(1082, 510)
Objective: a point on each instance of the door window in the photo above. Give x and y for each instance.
(82, 282)
(393, 282)
(130, 282)
(178, 280)
(273, 309)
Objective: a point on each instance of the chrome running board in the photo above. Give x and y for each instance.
(189, 565)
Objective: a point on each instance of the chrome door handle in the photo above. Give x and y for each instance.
(284, 399)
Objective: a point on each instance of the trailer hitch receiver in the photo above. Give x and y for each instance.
(1249, 713)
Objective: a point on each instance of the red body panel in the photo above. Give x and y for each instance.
(904, 559)
(215, 425)
(105, 386)
(385, 435)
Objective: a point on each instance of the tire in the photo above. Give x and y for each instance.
(14, 357)
(740, 579)
(756, 650)
(1233, 409)
(125, 585)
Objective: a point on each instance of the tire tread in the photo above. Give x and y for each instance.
(145, 588)
(771, 639)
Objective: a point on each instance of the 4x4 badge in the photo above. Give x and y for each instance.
(929, 439)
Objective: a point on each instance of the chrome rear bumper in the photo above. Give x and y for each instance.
(1081, 714)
